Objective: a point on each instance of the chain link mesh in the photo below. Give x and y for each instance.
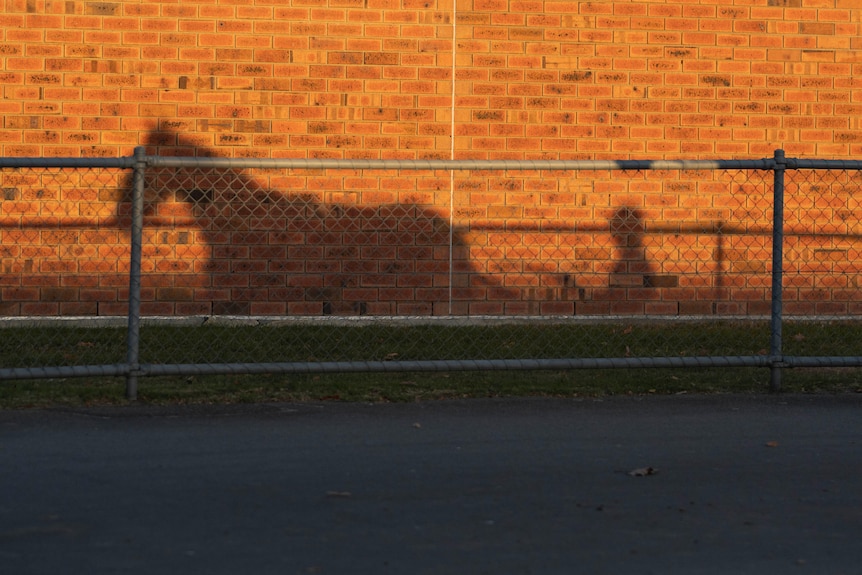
(615, 248)
(65, 254)
(275, 265)
(822, 261)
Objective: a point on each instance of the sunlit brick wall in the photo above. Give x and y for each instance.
(439, 79)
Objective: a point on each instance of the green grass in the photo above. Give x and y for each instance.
(410, 387)
(25, 347)
(80, 346)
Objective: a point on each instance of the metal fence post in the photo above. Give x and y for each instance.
(137, 231)
(775, 353)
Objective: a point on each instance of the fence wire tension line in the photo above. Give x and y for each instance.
(173, 266)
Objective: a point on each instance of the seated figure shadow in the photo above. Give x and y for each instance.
(631, 267)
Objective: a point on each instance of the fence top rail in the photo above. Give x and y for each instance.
(122, 162)
(815, 164)
(474, 165)
(382, 164)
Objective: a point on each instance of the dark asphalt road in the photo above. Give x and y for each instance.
(769, 484)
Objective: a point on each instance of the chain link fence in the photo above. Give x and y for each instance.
(152, 265)
(822, 249)
(65, 265)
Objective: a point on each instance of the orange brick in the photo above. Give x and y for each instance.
(534, 79)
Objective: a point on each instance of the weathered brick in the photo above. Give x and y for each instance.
(534, 79)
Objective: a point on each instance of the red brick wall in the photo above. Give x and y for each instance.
(374, 78)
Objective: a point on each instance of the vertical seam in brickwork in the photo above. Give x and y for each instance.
(452, 155)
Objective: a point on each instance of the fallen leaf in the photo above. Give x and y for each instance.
(339, 494)
(643, 471)
(771, 444)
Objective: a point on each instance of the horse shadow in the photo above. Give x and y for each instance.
(225, 241)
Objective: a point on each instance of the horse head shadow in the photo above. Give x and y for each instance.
(225, 241)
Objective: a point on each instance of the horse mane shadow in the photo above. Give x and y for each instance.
(225, 241)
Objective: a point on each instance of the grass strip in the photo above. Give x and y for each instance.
(162, 344)
(409, 387)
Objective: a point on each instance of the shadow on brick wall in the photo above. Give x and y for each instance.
(298, 242)
(303, 242)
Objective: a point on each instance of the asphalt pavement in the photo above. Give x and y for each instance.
(681, 484)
